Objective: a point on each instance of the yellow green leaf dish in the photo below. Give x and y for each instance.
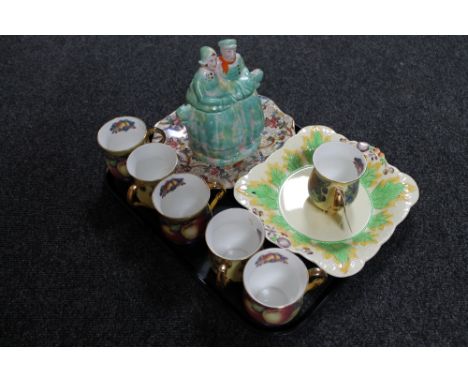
(276, 191)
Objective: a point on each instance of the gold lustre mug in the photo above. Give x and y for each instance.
(147, 165)
(183, 203)
(233, 236)
(118, 138)
(275, 281)
(334, 182)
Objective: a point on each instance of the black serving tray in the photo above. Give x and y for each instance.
(197, 261)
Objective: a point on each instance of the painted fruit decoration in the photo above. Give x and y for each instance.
(118, 167)
(190, 231)
(271, 316)
(185, 232)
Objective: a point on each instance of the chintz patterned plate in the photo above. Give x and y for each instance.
(279, 127)
(276, 191)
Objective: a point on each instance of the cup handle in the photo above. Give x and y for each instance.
(319, 276)
(338, 199)
(219, 195)
(131, 196)
(221, 275)
(160, 132)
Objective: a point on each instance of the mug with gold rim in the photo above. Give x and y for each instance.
(275, 281)
(183, 203)
(118, 138)
(334, 181)
(147, 165)
(232, 237)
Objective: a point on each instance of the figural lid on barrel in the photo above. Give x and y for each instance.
(121, 133)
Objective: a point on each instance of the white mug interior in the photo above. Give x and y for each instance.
(339, 161)
(235, 234)
(121, 133)
(275, 277)
(181, 196)
(152, 162)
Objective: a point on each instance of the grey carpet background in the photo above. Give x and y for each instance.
(75, 270)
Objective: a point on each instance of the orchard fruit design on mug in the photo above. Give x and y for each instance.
(148, 165)
(122, 125)
(270, 258)
(233, 236)
(271, 316)
(334, 182)
(275, 281)
(118, 138)
(185, 232)
(118, 167)
(183, 203)
(170, 185)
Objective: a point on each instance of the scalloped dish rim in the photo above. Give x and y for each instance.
(393, 191)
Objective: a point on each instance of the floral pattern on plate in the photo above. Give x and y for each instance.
(279, 127)
(391, 194)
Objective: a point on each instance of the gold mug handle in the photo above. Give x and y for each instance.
(338, 199)
(319, 276)
(221, 275)
(219, 195)
(159, 132)
(132, 198)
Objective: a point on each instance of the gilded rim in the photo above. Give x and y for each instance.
(159, 179)
(351, 181)
(127, 151)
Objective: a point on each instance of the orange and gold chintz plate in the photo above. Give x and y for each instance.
(276, 190)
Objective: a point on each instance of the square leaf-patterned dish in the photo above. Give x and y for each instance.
(276, 190)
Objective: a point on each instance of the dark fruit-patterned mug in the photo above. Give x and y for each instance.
(147, 165)
(334, 182)
(275, 281)
(183, 203)
(118, 138)
(233, 236)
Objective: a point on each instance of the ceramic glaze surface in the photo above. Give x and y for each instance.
(117, 165)
(278, 127)
(151, 162)
(223, 114)
(181, 196)
(271, 316)
(302, 215)
(232, 236)
(278, 281)
(334, 181)
(182, 203)
(275, 281)
(147, 165)
(235, 234)
(117, 138)
(121, 133)
(390, 192)
(339, 162)
(185, 231)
